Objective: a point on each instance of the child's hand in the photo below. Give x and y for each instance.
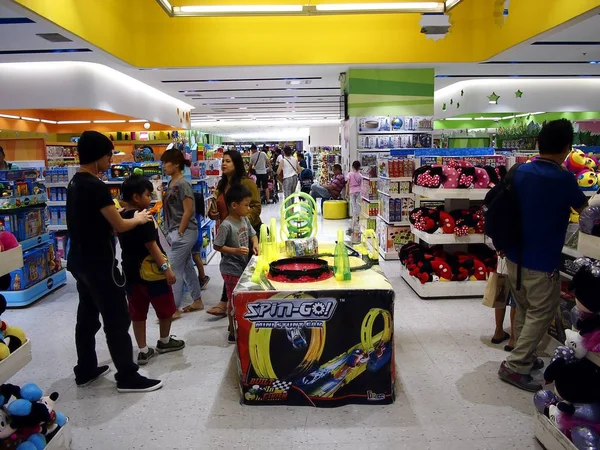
(255, 250)
(170, 277)
(241, 251)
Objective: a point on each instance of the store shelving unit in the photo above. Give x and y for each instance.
(589, 245)
(443, 194)
(17, 299)
(447, 239)
(451, 289)
(550, 436)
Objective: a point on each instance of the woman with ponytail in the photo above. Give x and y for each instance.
(182, 226)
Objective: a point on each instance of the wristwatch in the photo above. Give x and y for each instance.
(164, 267)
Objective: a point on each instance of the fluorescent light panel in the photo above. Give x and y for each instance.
(458, 118)
(69, 122)
(236, 9)
(370, 7)
(138, 121)
(8, 116)
(48, 121)
(110, 121)
(31, 119)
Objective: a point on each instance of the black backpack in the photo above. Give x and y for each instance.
(199, 203)
(503, 221)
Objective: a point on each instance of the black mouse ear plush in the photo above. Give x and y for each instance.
(418, 172)
(494, 176)
(501, 171)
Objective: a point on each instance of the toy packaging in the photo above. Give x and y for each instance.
(34, 270)
(321, 343)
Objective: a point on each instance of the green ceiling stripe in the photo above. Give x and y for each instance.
(421, 76)
(382, 87)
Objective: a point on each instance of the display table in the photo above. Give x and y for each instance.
(321, 343)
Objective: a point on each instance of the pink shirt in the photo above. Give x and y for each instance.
(355, 180)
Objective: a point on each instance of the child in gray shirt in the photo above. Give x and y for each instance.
(237, 241)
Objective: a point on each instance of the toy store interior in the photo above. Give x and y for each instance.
(414, 229)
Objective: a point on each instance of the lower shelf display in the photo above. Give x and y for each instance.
(451, 289)
(35, 292)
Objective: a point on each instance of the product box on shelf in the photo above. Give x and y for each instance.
(24, 224)
(119, 172)
(35, 269)
(395, 209)
(396, 167)
(148, 169)
(393, 187)
(368, 189)
(392, 238)
(369, 208)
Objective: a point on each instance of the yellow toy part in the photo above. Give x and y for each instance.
(335, 209)
(16, 332)
(4, 351)
(574, 217)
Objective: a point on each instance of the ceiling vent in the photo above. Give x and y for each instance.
(434, 26)
(54, 37)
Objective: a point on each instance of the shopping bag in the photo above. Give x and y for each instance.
(496, 291)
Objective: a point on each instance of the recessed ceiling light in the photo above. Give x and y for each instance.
(243, 107)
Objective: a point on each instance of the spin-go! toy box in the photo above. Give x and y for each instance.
(325, 343)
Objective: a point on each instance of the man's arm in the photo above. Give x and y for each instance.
(121, 225)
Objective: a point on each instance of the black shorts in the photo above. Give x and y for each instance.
(262, 181)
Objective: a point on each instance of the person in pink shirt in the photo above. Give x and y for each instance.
(354, 180)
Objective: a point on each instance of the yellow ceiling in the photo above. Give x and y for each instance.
(143, 35)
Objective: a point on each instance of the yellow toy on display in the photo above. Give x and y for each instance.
(11, 338)
(268, 249)
(369, 245)
(341, 261)
(299, 217)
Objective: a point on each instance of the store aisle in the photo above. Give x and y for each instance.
(448, 394)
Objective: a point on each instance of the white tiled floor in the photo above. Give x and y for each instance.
(448, 394)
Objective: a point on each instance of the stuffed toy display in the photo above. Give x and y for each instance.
(461, 222)
(458, 175)
(11, 338)
(432, 264)
(28, 420)
(589, 220)
(584, 167)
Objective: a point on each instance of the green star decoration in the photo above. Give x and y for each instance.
(519, 93)
(493, 98)
(444, 107)
(457, 105)
(451, 101)
(462, 93)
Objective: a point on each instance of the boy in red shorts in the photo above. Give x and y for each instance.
(145, 286)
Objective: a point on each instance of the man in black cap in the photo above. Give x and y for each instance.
(91, 219)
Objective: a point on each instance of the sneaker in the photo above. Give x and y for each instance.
(231, 339)
(522, 381)
(538, 364)
(86, 381)
(138, 384)
(143, 358)
(172, 346)
(204, 281)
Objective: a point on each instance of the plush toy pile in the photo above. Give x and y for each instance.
(460, 222)
(575, 410)
(585, 168)
(11, 338)
(28, 420)
(458, 175)
(431, 264)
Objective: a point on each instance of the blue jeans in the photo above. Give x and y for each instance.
(318, 191)
(180, 258)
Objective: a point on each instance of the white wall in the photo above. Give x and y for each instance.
(326, 135)
(53, 85)
(539, 95)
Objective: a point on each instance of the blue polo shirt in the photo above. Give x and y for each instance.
(546, 193)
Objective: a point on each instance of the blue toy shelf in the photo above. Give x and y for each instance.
(16, 299)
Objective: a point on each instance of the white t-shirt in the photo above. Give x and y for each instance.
(259, 162)
(290, 166)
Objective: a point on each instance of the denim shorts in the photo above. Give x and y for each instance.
(510, 301)
(197, 248)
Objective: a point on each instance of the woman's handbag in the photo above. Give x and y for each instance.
(149, 270)
(213, 211)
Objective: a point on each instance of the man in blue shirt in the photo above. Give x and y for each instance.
(546, 191)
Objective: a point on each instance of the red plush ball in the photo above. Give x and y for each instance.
(8, 241)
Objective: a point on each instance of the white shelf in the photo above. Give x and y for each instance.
(364, 216)
(447, 238)
(15, 361)
(11, 260)
(57, 228)
(588, 245)
(441, 194)
(398, 195)
(395, 178)
(389, 256)
(376, 200)
(59, 184)
(442, 289)
(62, 439)
(550, 436)
(364, 177)
(394, 224)
(565, 275)
(589, 193)
(571, 252)
(56, 203)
